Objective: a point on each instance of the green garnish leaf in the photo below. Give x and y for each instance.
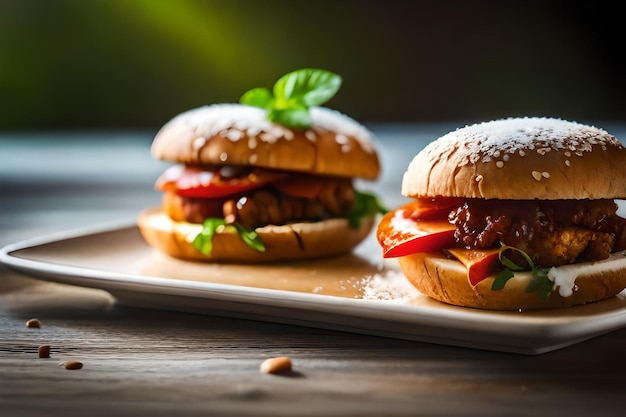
(293, 94)
(539, 282)
(251, 237)
(501, 279)
(258, 97)
(366, 204)
(298, 118)
(204, 240)
(308, 87)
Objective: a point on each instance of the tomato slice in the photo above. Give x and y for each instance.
(438, 207)
(197, 182)
(305, 186)
(479, 263)
(400, 234)
(422, 226)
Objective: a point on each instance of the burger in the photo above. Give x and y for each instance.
(269, 181)
(513, 214)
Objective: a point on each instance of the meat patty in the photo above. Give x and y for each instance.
(552, 233)
(266, 205)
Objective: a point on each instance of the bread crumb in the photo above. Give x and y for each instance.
(276, 365)
(34, 323)
(389, 285)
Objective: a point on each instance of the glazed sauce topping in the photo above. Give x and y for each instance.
(553, 232)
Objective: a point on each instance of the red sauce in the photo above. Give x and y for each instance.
(527, 224)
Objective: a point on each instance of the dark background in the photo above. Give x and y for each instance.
(102, 64)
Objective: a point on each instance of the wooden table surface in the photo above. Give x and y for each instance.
(158, 363)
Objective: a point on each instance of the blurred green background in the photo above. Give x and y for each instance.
(75, 64)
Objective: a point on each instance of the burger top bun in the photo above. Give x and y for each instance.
(237, 134)
(520, 158)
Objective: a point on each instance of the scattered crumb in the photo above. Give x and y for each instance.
(73, 365)
(44, 351)
(389, 285)
(276, 365)
(34, 323)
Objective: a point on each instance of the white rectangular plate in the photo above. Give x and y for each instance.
(355, 293)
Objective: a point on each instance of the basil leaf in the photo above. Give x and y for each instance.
(204, 240)
(258, 97)
(293, 94)
(298, 118)
(365, 205)
(501, 279)
(251, 237)
(309, 86)
(540, 283)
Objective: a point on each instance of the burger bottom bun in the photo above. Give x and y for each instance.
(445, 279)
(286, 242)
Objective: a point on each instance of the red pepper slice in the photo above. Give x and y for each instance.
(401, 234)
(197, 182)
(479, 263)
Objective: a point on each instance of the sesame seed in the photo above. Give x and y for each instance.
(198, 143)
(267, 137)
(567, 153)
(545, 174)
(253, 131)
(252, 143)
(536, 175)
(522, 153)
(567, 162)
(341, 139)
(310, 135)
(223, 156)
(234, 135)
(499, 164)
(478, 178)
(276, 131)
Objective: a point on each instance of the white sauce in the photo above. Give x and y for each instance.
(564, 277)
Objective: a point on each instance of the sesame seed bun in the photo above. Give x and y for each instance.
(237, 134)
(282, 243)
(520, 158)
(531, 158)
